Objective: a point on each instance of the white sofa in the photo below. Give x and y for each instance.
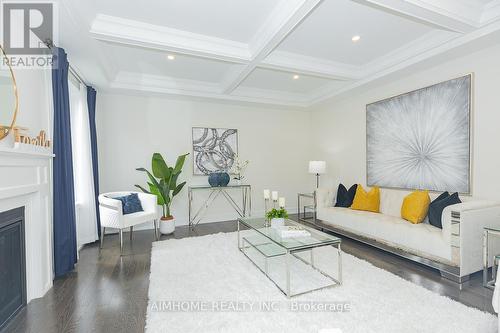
(456, 250)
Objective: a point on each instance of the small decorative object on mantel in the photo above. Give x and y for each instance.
(21, 136)
(238, 168)
(218, 179)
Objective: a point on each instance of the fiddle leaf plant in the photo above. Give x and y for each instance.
(163, 181)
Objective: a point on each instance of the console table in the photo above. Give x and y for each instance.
(228, 192)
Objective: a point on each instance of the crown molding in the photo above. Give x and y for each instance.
(272, 97)
(425, 43)
(173, 86)
(291, 62)
(453, 15)
(130, 32)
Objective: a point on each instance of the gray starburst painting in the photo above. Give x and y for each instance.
(421, 139)
(214, 149)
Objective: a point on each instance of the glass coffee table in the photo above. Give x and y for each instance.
(267, 242)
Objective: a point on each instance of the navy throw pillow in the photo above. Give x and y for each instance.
(345, 197)
(130, 203)
(437, 206)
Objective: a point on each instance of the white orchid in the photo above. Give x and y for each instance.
(239, 167)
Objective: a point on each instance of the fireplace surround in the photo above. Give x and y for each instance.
(13, 264)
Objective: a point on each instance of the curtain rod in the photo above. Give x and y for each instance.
(50, 44)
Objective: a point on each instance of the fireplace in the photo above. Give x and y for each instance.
(12, 263)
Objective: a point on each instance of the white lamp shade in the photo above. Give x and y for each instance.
(317, 167)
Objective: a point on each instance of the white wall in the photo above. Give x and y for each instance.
(26, 180)
(339, 128)
(132, 128)
(34, 88)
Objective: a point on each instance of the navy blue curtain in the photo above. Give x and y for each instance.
(65, 251)
(91, 94)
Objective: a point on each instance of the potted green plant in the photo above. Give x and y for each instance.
(163, 184)
(277, 216)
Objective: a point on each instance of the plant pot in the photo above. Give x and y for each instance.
(276, 222)
(167, 225)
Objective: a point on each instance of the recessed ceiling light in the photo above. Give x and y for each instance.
(296, 77)
(170, 57)
(355, 38)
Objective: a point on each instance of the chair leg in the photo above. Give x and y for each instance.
(121, 242)
(131, 230)
(103, 231)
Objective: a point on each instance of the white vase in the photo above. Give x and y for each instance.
(167, 226)
(277, 222)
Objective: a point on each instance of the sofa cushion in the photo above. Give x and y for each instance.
(421, 239)
(437, 206)
(368, 201)
(415, 206)
(344, 196)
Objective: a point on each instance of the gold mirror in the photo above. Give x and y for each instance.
(9, 102)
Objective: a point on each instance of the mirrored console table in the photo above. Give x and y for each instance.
(232, 195)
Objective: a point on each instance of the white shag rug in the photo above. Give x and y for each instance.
(205, 284)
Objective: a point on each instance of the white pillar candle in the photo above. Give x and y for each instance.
(267, 194)
(275, 195)
(282, 202)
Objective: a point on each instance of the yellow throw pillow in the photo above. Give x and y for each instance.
(415, 206)
(367, 201)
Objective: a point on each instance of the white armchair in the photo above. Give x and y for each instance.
(111, 214)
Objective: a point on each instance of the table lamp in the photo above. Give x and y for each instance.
(318, 168)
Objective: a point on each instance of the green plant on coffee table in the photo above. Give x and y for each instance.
(163, 181)
(277, 214)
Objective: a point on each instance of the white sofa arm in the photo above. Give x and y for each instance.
(463, 224)
(110, 212)
(110, 203)
(324, 198)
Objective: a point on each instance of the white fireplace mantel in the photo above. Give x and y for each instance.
(26, 181)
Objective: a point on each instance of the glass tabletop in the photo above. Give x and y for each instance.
(317, 238)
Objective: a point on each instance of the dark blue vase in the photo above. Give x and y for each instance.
(224, 179)
(218, 179)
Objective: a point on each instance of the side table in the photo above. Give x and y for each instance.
(487, 233)
(302, 209)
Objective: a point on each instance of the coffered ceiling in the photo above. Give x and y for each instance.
(286, 52)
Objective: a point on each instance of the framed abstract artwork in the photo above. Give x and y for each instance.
(421, 139)
(214, 149)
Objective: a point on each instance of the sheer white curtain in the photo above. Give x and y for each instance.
(86, 219)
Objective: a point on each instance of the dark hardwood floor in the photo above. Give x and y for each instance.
(109, 293)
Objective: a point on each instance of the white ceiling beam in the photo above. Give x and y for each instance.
(285, 17)
(174, 86)
(134, 33)
(452, 15)
(491, 12)
(291, 62)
